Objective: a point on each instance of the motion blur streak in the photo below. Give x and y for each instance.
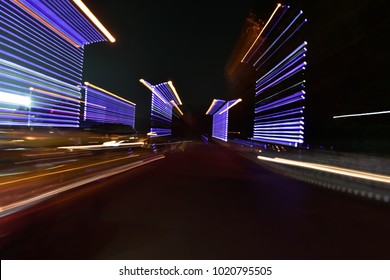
(63, 171)
(331, 169)
(14, 207)
(110, 143)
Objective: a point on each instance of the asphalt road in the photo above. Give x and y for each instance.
(201, 203)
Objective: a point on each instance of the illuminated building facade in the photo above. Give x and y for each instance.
(42, 48)
(219, 109)
(279, 59)
(165, 103)
(104, 107)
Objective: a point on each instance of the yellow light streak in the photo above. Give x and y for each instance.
(174, 91)
(261, 32)
(110, 93)
(153, 91)
(230, 106)
(92, 17)
(64, 97)
(58, 32)
(8, 209)
(177, 107)
(60, 171)
(211, 106)
(331, 169)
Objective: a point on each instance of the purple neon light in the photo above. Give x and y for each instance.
(24, 24)
(297, 69)
(104, 108)
(217, 106)
(281, 45)
(281, 114)
(282, 101)
(279, 98)
(220, 123)
(276, 71)
(33, 56)
(64, 23)
(277, 39)
(161, 116)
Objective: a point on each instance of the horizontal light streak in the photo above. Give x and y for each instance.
(159, 132)
(285, 140)
(280, 114)
(281, 102)
(104, 145)
(280, 133)
(297, 69)
(45, 57)
(26, 74)
(95, 21)
(6, 97)
(361, 114)
(54, 94)
(69, 77)
(299, 84)
(265, 26)
(283, 120)
(331, 169)
(13, 207)
(295, 127)
(48, 25)
(109, 93)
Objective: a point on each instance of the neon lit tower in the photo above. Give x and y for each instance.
(278, 56)
(164, 99)
(219, 109)
(42, 49)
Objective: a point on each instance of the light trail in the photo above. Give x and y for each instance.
(361, 114)
(60, 171)
(14, 207)
(331, 169)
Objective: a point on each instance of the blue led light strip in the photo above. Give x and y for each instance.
(279, 94)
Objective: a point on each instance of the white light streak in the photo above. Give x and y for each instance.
(361, 114)
(6, 97)
(331, 169)
(230, 106)
(258, 36)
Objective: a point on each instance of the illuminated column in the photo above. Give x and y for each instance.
(219, 109)
(102, 106)
(41, 59)
(164, 99)
(279, 58)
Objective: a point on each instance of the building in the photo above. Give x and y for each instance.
(41, 63)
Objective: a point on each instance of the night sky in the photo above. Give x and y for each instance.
(187, 42)
(190, 42)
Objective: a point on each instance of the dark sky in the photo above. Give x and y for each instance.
(187, 42)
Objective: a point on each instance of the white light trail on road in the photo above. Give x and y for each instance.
(331, 169)
(14, 207)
